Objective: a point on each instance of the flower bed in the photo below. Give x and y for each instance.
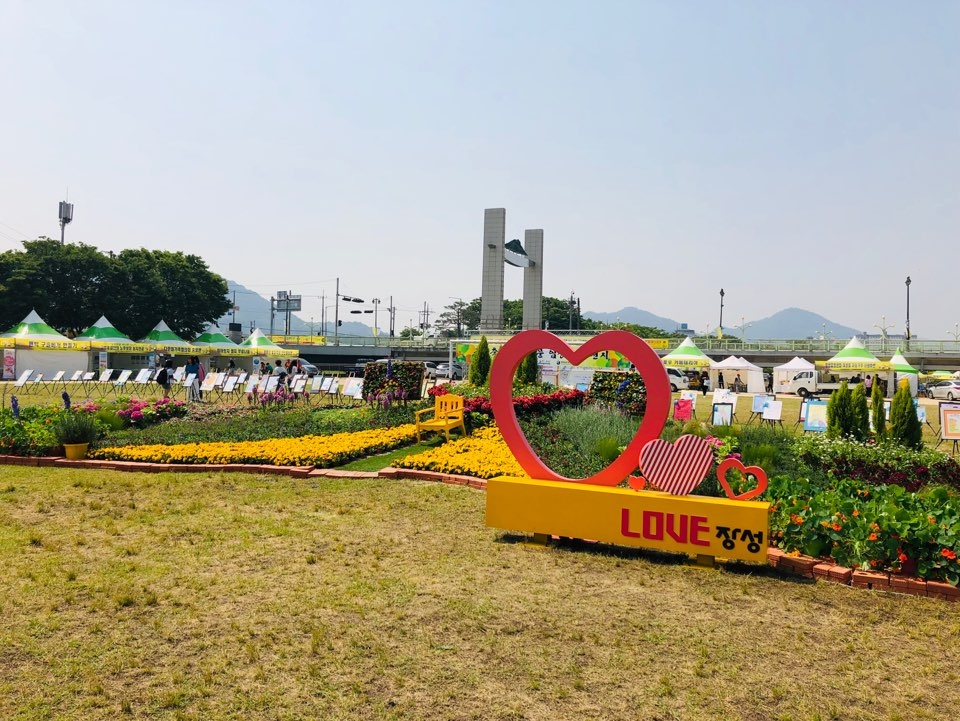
(321, 451)
(482, 455)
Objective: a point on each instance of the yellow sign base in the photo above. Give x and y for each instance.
(695, 525)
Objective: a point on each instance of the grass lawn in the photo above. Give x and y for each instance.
(191, 596)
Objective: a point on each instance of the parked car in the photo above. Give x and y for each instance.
(430, 369)
(309, 368)
(945, 390)
(443, 371)
(678, 380)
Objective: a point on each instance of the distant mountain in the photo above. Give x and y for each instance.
(636, 316)
(791, 323)
(787, 324)
(254, 311)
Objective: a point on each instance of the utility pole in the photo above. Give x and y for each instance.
(272, 302)
(570, 313)
(376, 317)
(393, 313)
(336, 316)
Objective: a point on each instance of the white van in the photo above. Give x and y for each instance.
(678, 380)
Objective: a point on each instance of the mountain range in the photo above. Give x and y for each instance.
(789, 323)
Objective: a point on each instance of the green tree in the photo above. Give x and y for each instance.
(878, 411)
(905, 427)
(72, 285)
(859, 413)
(480, 364)
(452, 322)
(529, 369)
(839, 413)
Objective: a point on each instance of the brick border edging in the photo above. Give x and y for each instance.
(820, 569)
(817, 569)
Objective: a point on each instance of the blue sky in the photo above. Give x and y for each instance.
(795, 154)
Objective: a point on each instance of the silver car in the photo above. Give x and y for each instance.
(444, 371)
(944, 390)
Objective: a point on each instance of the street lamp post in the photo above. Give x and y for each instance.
(720, 327)
(907, 334)
(884, 327)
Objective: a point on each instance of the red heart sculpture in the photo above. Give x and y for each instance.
(630, 346)
(679, 467)
(756, 471)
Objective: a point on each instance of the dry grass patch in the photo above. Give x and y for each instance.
(233, 596)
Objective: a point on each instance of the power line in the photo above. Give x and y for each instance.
(19, 232)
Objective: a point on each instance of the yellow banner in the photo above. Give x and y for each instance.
(52, 344)
(694, 525)
(853, 365)
(298, 339)
(122, 347)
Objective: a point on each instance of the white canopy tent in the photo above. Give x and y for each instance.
(783, 374)
(730, 367)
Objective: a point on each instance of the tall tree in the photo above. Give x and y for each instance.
(72, 285)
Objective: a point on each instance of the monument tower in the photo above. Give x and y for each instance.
(496, 253)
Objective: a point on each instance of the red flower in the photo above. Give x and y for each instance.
(947, 553)
(873, 536)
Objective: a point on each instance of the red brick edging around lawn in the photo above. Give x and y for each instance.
(792, 565)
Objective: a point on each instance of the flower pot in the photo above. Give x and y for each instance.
(75, 451)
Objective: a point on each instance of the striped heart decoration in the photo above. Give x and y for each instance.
(676, 468)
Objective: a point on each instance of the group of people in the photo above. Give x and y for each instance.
(738, 385)
(285, 370)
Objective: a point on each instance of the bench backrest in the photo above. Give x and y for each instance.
(447, 405)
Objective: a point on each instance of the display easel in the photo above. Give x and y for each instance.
(759, 404)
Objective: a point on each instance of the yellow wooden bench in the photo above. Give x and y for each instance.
(447, 413)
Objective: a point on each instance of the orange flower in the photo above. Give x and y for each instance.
(794, 518)
(931, 519)
(873, 536)
(856, 512)
(837, 526)
(947, 553)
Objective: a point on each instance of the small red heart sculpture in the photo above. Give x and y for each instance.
(756, 471)
(679, 467)
(644, 359)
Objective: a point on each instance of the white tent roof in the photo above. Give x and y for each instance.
(797, 364)
(733, 363)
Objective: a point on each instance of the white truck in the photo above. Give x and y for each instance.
(809, 383)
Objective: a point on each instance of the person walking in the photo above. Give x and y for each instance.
(704, 382)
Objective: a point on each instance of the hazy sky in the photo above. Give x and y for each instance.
(796, 154)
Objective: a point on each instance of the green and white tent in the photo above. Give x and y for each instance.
(33, 332)
(902, 369)
(258, 344)
(104, 336)
(899, 364)
(856, 358)
(164, 339)
(216, 343)
(687, 355)
(41, 349)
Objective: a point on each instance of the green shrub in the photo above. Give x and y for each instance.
(75, 427)
(480, 363)
(859, 413)
(528, 371)
(879, 412)
(840, 413)
(905, 427)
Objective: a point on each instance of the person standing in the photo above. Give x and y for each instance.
(704, 382)
(191, 369)
(165, 377)
(720, 380)
(868, 384)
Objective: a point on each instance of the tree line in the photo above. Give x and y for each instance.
(71, 286)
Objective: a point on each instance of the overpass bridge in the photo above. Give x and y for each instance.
(354, 351)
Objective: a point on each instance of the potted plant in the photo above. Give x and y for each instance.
(75, 431)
